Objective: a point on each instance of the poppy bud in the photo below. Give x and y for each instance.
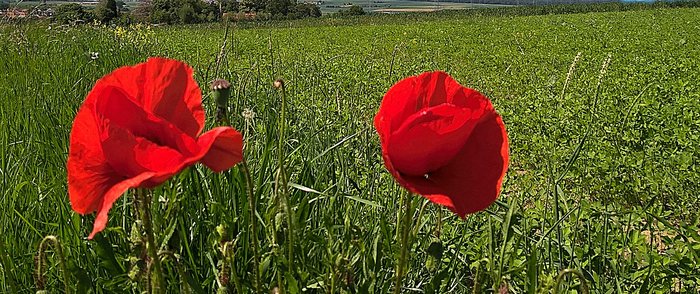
(435, 251)
(135, 271)
(221, 90)
(279, 219)
(135, 237)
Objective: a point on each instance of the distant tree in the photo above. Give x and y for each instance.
(252, 5)
(187, 14)
(304, 10)
(211, 11)
(70, 13)
(356, 10)
(4, 5)
(352, 10)
(181, 11)
(161, 16)
(163, 11)
(229, 6)
(278, 8)
(106, 11)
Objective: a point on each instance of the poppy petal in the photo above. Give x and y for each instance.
(430, 139)
(131, 156)
(398, 104)
(115, 106)
(432, 88)
(175, 96)
(164, 87)
(89, 173)
(222, 148)
(110, 196)
(472, 180)
(415, 93)
(89, 176)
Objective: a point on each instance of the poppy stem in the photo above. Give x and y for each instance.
(228, 269)
(438, 225)
(145, 205)
(405, 240)
(253, 223)
(279, 84)
(275, 243)
(223, 119)
(184, 288)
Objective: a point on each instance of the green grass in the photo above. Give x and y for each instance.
(606, 183)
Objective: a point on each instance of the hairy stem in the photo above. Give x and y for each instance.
(253, 223)
(283, 176)
(145, 204)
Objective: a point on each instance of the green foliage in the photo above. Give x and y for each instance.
(178, 11)
(608, 188)
(288, 9)
(304, 10)
(353, 10)
(186, 14)
(253, 5)
(278, 7)
(70, 13)
(228, 6)
(106, 11)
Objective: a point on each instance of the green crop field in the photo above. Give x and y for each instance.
(330, 6)
(603, 177)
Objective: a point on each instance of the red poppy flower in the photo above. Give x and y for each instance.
(443, 141)
(139, 126)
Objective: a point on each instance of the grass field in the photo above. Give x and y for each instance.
(603, 183)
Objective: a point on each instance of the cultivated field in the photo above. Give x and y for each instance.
(330, 6)
(604, 164)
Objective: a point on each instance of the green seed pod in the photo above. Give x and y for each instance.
(221, 89)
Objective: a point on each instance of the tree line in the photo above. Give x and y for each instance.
(185, 11)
